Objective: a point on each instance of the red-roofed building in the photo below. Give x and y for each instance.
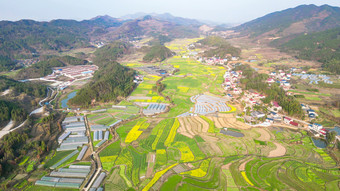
(294, 123)
(287, 120)
(270, 80)
(323, 131)
(276, 106)
(252, 101)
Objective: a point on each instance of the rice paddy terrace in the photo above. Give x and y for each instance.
(176, 151)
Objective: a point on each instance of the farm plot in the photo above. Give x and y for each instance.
(191, 126)
(192, 76)
(109, 155)
(208, 160)
(135, 132)
(201, 171)
(229, 120)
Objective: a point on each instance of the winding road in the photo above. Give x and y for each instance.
(9, 127)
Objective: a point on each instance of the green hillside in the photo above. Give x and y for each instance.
(111, 81)
(220, 47)
(317, 18)
(44, 67)
(321, 46)
(157, 53)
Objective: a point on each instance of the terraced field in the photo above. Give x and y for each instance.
(167, 152)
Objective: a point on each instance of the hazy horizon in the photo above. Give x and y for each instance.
(213, 10)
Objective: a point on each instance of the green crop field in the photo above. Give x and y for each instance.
(155, 153)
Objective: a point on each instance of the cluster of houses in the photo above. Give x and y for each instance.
(317, 129)
(289, 121)
(310, 112)
(231, 79)
(216, 60)
(281, 78)
(274, 117)
(26, 62)
(313, 78)
(212, 60)
(252, 98)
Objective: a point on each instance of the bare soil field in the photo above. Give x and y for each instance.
(279, 151)
(191, 126)
(265, 136)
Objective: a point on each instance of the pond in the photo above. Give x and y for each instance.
(319, 143)
(231, 133)
(69, 96)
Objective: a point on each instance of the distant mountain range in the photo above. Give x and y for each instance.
(22, 38)
(308, 32)
(165, 17)
(301, 19)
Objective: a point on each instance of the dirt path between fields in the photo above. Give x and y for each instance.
(279, 151)
(265, 136)
(242, 167)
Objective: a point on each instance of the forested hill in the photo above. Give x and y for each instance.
(321, 46)
(219, 47)
(44, 67)
(158, 53)
(15, 110)
(27, 38)
(35, 90)
(111, 81)
(151, 26)
(110, 52)
(304, 18)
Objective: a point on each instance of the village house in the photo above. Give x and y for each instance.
(304, 107)
(312, 116)
(270, 120)
(294, 124)
(249, 119)
(257, 114)
(315, 126)
(287, 120)
(311, 111)
(270, 80)
(276, 106)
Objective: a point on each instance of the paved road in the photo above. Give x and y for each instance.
(95, 158)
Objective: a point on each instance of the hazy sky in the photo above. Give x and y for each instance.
(227, 11)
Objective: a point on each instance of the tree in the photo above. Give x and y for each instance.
(330, 137)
